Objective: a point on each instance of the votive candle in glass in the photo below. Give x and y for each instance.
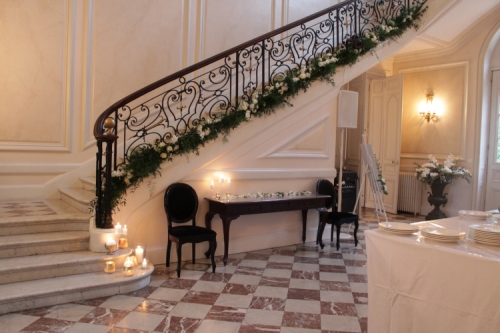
(139, 252)
(144, 264)
(128, 267)
(109, 267)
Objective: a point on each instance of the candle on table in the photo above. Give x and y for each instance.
(110, 242)
(118, 229)
(212, 185)
(144, 263)
(139, 253)
(124, 230)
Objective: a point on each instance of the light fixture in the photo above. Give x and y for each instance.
(429, 112)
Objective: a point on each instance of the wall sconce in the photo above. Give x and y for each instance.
(429, 112)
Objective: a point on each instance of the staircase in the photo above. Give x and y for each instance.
(44, 256)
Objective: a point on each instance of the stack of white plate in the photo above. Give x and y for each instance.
(398, 228)
(485, 233)
(442, 234)
(476, 214)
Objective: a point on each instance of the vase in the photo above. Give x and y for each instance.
(437, 199)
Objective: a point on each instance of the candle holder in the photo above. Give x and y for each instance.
(128, 267)
(134, 260)
(140, 252)
(144, 264)
(217, 196)
(110, 246)
(123, 243)
(109, 267)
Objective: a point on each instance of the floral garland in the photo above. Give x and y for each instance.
(146, 160)
(269, 195)
(381, 179)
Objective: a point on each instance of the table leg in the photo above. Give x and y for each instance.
(323, 217)
(208, 225)
(304, 225)
(226, 222)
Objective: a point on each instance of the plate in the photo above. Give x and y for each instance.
(398, 226)
(474, 214)
(443, 232)
(487, 228)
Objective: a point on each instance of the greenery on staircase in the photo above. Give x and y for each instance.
(146, 160)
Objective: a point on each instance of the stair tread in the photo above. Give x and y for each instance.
(58, 259)
(60, 218)
(89, 180)
(79, 194)
(65, 284)
(42, 238)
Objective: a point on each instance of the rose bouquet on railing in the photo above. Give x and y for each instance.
(434, 172)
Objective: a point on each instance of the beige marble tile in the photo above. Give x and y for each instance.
(168, 294)
(298, 330)
(273, 292)
(278, 258)
(209, 286)
(86, 328)
(211, 326)
(359, 287)
(263, 317)
(280, 273)
(190, 310)
(340, 323)
(245, 279)
(235, 301)
(336, 296)
(327, 276)
(304, 284)
(356, 270)
(362, 310)
(296, 305)
(12, 323)
(253, 263)
(121, 302)
(141, 321)
(328, 261)
(71, 312)
(305, 267)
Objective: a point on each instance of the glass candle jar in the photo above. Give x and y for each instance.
(123, 243)
(128, 267)
(109, 267)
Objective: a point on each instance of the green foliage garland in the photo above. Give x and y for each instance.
(146, 160)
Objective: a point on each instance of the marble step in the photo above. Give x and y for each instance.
(34, 294)
(45, 266)
(40, 224)
(43, 243)
(78, 198)
(88, 183)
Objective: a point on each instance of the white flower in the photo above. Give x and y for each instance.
(169, 148)
(255, 101)
(302, 76)
(174, 138)
(163, 155)
(207, 131)
(277, 85)
(161, 144)
(116, 173)
(176, 147)
(446, 170)
(308, 75)
(321, 64)
(247, 114)
(434, 174)
(295, 79)
(127, 181)
(243, 105)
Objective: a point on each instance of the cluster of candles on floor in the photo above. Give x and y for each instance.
(221, 184)
(131, 261)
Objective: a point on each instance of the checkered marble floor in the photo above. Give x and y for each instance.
(294, 289)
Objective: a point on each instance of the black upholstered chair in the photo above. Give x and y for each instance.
(334, 218)
(181, 205)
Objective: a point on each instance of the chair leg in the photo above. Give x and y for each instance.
(338, 225)
(193, 250)
(213, 246)
(179, 256)
(331, 234)
(356, 226)
(169, 245)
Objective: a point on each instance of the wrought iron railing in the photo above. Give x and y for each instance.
(177, 103)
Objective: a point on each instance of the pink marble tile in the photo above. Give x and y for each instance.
(178, 284)
(357, 278)
(305, 275)
(274, 282)
(156, 306)
(249, 271)
(279, 265)
(351, 250)
(39, 312)
(306, 260)
(216, 277)
(301, 320)
(257, 256)
(239, 289)
(355, 263)
(284, 252)
(48, 325)
(360, 298)
(178, 325)
(200, 297)
(144, 292)
(102, 316)
(334, 286)
(225, 313)
(268, 303)
(125, 330)
(331, 255)
(309, 248)
(363, 323)
(259, 329)
(339, 309)
(304, 294)
(332, 268)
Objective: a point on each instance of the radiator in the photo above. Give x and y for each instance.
(410, 193)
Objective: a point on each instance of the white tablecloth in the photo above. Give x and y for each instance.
(421, 286)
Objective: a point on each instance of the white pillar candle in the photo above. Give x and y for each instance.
(110, 242)
(228, 182)
(212, 185)
(139, 253)
(125, 230)
(144, 263)
(118, 229)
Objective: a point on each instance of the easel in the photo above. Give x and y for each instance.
(371, 172)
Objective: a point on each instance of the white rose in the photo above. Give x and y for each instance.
(302, 76)
(174, 139)
(247, 114)
(169, 148)
(295, 79)
(163, 155)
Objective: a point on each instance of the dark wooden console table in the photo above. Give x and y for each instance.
(230, 210)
